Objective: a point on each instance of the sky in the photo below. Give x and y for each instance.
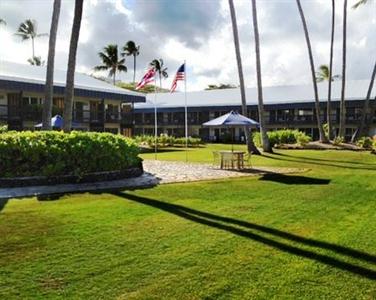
(199, 31)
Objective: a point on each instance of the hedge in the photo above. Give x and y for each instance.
(52, 153)
(286, 136)
(167, 141)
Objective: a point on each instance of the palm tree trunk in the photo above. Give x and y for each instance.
(250, 145)
(328, 109)
(342, 105)
(322, 136)
(264, 137)
(160, 81)
(134, 68)
(32, 47)
(114, 78)
(48, 92)
(364, 118)
(69, 87)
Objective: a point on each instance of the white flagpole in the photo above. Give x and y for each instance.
(186, 111)
(155, 118)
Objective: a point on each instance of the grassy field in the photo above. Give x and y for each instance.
(305, 236)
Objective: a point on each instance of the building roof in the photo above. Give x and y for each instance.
(355, 90)
(14, 76)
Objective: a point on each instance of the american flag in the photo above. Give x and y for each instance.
(148, 77)
(180, 75)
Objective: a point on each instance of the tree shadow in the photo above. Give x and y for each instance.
(3, 202)
(319, 163)
(293, 179)
(252, 231)
(328, 160)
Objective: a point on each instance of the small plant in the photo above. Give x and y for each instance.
(365, 142)
(286, 136)
(338, 140)
(3, 128)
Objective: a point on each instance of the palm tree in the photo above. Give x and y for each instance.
(111, 62)
(129, 49)
(342, 118)
(28, 31)
(250, 145)
(323, 74)
(361, 131)
(330, 76)
(36, 61)
(264, 137)
(48, 92)
(322, 136)
(159, 67)
(69, 86)
(2, 21)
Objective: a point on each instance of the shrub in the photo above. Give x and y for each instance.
(3, 128)
(338, 140)
(286, 136)
(51, 153)
(365, 142)
(165, 140)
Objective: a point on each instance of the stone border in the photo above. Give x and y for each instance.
(67, 179)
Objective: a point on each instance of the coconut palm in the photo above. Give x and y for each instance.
(264, 137)
(48, 92)
(361, 131)
(250, 145)
(323, 74)
(69, 85)
(342, 117)
(36, 61)
(129, 49)
(159, 67)
(28, 31)
(322, 136)
(110, 60)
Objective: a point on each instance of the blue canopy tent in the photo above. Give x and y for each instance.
(232, 119)
(57, 122)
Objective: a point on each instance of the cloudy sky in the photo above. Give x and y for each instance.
(199, 31)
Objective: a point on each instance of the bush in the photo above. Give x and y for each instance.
(338, 140)
(3, 128)
(365, 142)
(165, 140)
(51, 153)
(286, 136)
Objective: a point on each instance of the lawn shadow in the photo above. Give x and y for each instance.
(295, 159)
(252, 231)
(293, 179)
(3, 202)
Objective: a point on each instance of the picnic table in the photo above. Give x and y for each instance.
(233, 159)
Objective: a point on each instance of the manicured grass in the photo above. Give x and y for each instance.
(305, 236)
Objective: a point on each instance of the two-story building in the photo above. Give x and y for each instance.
(98, 105)
(285, 107)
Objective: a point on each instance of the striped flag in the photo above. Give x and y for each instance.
(180, 75)
(148, 77)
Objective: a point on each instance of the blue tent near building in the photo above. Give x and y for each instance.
(57, 122)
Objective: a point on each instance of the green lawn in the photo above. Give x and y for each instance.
(306, 236)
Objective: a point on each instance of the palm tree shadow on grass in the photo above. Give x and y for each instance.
(3, 202)
(294, 179)
(319, 163)
(252, 231)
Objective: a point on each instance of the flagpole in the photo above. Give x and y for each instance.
(186, 111)
(155, 118)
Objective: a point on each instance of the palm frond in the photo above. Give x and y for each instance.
(2, 21)
(101, 68)
(359, 3)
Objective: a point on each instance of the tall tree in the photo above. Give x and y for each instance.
(361, 131)
(36, 61)
(159, 67)
(323, 74)
(131, 49)
(69, 86)
(250, 145)
(110, 61)
(329, 106)
(28, 31)
(342, 117)
(48, 91)
(264, 137)
(322, 135)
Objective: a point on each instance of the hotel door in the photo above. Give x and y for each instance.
(14, 106)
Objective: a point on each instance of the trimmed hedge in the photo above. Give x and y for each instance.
(167, 141)
(54, 153)
(279, 137)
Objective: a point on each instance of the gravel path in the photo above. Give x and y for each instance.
(174, 171)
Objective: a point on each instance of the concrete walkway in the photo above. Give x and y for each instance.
(156, 172)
